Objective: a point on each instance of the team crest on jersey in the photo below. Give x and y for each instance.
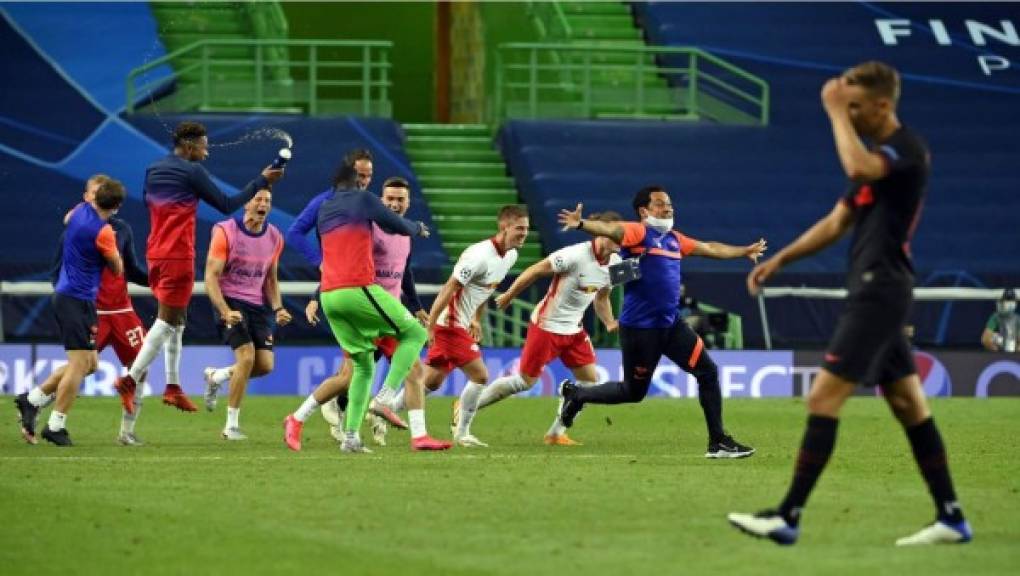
(466, 274)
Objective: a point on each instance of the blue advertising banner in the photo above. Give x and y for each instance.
(742, 374)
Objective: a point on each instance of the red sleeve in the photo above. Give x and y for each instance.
(687, 244)
(633, 234)
(106, 241)
(218, 248)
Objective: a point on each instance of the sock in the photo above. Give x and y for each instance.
(557, 428)
(57, 421)
(416, 419)
(307, 407)
(815, 449)
(127, 421)
(501, 388)
(361, 384)
(930, 454)
(468, 407)
(385, 396)
(172, 355)
(710, 398)
(232, 416)
(613, 392)
(222, 375)
(151, 346)
(38, 398)
(398, 400)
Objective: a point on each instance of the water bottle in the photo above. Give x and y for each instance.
(282, 157)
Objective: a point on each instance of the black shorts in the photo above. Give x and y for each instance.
(256, 326)
(870, 345)
(77, 321)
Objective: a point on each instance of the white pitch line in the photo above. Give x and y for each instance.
(337, 457)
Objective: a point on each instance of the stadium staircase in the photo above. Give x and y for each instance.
(465, 182)
(184, 23)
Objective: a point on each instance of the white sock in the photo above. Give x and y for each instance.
(233, 414)
(416, 418)
(222, 375)
(501, 388)
(398, 402)
(307, 407)
(385, 396)
(151, 346)
(468, 407)
(557, 428)
(38, 398)
(172, 355)
(57, 421)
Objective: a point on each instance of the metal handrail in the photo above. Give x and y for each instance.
(527, 68)
(372, 61)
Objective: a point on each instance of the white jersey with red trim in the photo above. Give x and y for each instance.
(579, 277)
(479, 270)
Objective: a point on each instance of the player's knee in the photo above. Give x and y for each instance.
(244, 358)
(706, 371)
(415, 333)
(263, 365)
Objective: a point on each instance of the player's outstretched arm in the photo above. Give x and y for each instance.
(572, 220)
(722, 251)
(207, 190)
(537, 270)
(822, 234)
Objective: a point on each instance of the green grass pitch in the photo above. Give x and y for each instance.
(637, 498)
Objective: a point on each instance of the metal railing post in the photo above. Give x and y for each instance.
(205, 75)
(258, 75)
(587, 85)
(366, 77)
(692, 85)
(313, 80)
(533, 82)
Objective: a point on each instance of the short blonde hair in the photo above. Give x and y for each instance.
(878, 78)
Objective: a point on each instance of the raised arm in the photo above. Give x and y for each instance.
(380, 214)
(540, 269)
(859, 163)
(207, 190)
(822, 234)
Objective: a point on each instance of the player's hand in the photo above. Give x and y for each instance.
(503, 301)
(570, 220)
(755, 251)
(312, 312)
(232, 317)
(272, 175)
(476, 331)
(283, 317)
(423, 317)
(761, 273)
(424, 231)
(613, 326)
(836, 94)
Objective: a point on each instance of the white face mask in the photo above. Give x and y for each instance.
(660, 224)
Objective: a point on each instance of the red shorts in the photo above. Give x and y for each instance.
(387, 345)
(125, 331)
(542, 347)
(452, 348)
(172, 281)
